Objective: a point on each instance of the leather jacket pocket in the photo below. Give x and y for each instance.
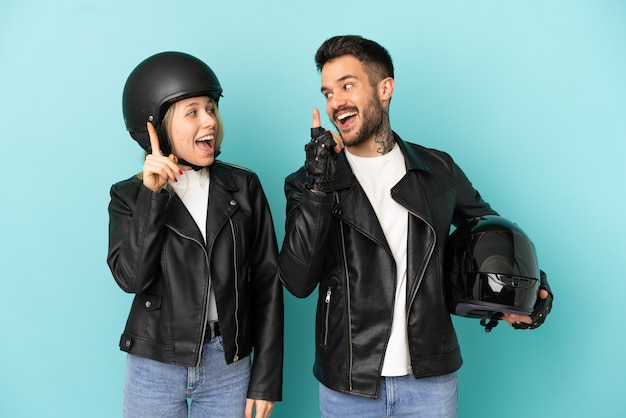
(327, 300)
(148, 303)
(328, 316)
(144, 311)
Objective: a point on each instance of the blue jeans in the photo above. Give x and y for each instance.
(215, 389)
(402, 396)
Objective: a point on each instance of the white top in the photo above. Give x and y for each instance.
(377, 176)
(193, 189)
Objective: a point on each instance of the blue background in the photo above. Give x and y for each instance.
(528, 96)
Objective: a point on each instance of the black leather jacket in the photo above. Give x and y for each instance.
(157, 252)
(335, 241)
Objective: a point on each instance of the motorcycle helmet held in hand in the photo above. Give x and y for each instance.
(158, 82)
(491, 268)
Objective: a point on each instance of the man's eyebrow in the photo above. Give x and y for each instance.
(342, 78)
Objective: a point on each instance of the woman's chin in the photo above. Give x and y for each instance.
(203, 161)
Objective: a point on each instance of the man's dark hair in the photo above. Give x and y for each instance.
(374, 56)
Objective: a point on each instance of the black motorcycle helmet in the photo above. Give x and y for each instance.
(155, 84)
(491, 268)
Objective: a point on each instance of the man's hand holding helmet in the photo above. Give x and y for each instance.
(542, 308)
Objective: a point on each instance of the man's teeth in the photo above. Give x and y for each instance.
(345, 115)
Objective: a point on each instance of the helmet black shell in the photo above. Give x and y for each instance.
(491, 267)
(155, 84)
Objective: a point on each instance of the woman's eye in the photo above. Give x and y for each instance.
(192, 113)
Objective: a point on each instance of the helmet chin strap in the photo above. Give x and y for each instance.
(184, 162)
(490, 321)
(197, 167)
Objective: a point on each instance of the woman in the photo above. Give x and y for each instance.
(192, 237)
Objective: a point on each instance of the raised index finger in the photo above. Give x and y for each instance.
(316, 117)
(154, 139)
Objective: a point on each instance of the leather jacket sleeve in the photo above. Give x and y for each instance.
(135, 236)
(267, 305)
(469, 203)
(308, 218)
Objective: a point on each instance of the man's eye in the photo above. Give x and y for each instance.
(347, 87)
(328, 95)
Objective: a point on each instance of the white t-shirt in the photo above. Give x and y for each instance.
(377, 176)
(193, 189)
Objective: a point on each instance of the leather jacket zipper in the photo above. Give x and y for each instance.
(236, 271)
(206, 311)
(327, 301)
(345, 266)
(430, 254)
(421, 277)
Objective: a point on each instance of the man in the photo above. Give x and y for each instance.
(368, 224)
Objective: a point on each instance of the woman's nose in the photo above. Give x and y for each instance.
(208, 119)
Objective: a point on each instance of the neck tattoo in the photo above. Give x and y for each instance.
(385, 141)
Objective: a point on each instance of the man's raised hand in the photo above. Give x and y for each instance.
(320, 158)
(317, 124)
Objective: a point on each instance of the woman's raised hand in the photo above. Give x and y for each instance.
(157, 168)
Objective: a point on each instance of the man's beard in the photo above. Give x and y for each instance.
(373, 123)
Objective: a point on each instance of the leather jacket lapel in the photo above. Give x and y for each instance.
(179, 218)
(353, 207)
(220, 208)
(409, 191)
(411, 194)
(221, 202)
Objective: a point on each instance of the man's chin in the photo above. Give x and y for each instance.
(351, 141)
